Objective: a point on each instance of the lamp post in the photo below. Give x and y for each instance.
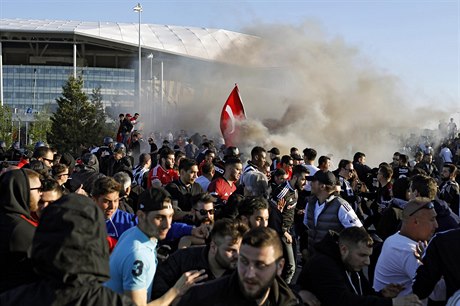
(138, 9)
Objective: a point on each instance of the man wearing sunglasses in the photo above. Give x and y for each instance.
(202, 210)
(397, 263)
(45, 155)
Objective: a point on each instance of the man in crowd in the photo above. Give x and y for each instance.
(217, 259)
(334, 274)
(257, 279)
(326, 211)
(223, 187)
(449, 189)
(255, 164)
(185, 188)
(20, 191)
(440, 261)
(274, 157)
(324, 163)
(207, 172)
(284, 201)
(253, 212)
(397, 263)
(202, 210)
(163, 173)
(133, 262)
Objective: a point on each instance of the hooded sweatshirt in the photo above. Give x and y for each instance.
(70, 253)
(17, 229)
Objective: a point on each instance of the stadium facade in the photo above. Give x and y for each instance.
(38, 56)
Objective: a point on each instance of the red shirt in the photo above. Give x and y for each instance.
(221, 188)
(163, 175)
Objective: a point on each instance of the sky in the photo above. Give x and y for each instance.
(417, 41)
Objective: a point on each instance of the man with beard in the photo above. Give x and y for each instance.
(163, 173)
(202, 211)
(257, 280)
(185, 188)
(20, 191)
(283, 204)
(334, 274)
(253, 211)
(256, 164)
(449, 190)
(217, 259)
(133, 262)
(223, 187)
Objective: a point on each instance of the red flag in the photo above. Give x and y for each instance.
(232, 112)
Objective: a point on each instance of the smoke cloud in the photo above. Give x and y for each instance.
(301, 88)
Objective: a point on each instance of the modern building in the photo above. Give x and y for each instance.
(38, 56)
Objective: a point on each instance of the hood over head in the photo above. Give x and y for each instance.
(15, 192)
(70, 243)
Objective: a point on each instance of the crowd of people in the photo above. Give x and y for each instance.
(189, 222)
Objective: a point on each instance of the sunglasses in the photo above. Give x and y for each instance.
(426, 206)
(49, 160)
(204, 212)
(37, 188)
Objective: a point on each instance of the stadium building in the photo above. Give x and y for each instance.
(38, 56)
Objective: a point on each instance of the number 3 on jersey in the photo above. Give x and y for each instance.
(138, 267)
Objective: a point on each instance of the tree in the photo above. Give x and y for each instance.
(102, 128)
(5, 124)
(75, 124)
(41, 126)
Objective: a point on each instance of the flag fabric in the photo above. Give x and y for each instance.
(232, 112)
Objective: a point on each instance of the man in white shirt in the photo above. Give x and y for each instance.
(397, 263)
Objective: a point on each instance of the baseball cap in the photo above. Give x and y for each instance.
(232, 151)
(296, 157)
(153, 199)
(275, 151)
(324, 177)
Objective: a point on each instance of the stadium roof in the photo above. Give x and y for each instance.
(201, 43)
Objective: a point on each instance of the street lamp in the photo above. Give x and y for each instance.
(138, 9)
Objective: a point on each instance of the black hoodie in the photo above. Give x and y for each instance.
(17, 229)
(325, 276)
(70, 253)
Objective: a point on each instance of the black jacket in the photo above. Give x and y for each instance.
(225, 291)
(183, 194)
(325, 276)
(70, 253)
(16, 230)
(181, 261)
(441, 259)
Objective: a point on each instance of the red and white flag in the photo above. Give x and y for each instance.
(232, 112)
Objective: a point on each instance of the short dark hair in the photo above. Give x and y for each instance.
(58, 169)
(50, 184)
(310, 153)
(386, 171)
(403, 158)
(257, 151)
(251, 204)
(358, 155)
(228, 227)
(105, 185)
(425, 185)
(279, 172)
(299, 170)
(207, 168)
(452, 168)
(186, 164)
(203, 198)
(232, 161)
(41, 152)
(285, 159)
(144, 158)
(261, 237)
(343, 163)
(352, 236)
(165, 152)
(322, 159)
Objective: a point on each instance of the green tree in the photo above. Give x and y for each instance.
(41, 125)
(75, 124)
(5, 124)
(102, 128)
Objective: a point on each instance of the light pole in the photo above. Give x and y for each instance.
(138, 9)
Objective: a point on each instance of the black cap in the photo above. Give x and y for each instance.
(324, 177)
(153, 199)
(275, 151)
(296, 157)
(232, 152)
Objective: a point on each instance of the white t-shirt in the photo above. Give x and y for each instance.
(396, 264)
(312, 170)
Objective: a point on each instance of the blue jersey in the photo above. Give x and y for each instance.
(119, 223)
(133, 263)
